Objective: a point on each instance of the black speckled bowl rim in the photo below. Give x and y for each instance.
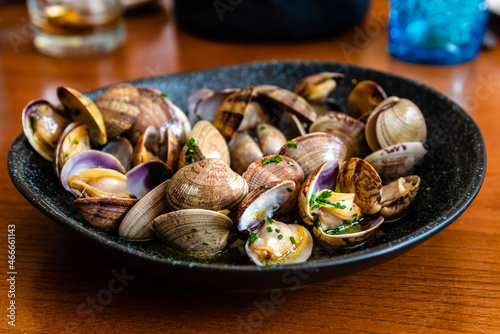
(469, 175)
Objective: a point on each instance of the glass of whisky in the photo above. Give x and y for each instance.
(66, 28)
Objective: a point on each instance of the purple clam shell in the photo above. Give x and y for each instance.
(145, 177)
(327, 178)
(87, 160)
(121, 149)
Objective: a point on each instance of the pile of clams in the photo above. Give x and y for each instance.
(270, 171)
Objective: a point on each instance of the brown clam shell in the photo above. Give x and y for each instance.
(81, 109)
(364, 98)
(207, 184)
(313, 149)
(358, 177)
(244, 150)
(229, 115)
(195, 231)
(136, 224)
(348, 129)
(262, 174)
(317, 86)
(271, 139)
(210, 144)
(119, 106)
(104, 212)
(395, 208)
(276, 101)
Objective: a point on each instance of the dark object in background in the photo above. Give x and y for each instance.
(269, 20)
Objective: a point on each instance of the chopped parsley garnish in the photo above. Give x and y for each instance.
(276, 159)
(289, 189)
(154, 101)
(66, 156)
(190, 144)
(269, 229)
(195, 230)
(189, 159)
(77, 142)
(30, 126)
(86, 143)
(263, 127)
(321, 200)
(206, 243)
(164, 95)
(263, 187)
(428, 188)
(292, 239)
(69, 139)
(291, 143)
(280, 237)
(346, 227)
(270, 221)
(317, 223)
(290, 163)
(152, 95)
(253, 237)
(277, 230)
(414, 182)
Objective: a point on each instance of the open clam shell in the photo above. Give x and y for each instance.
(203, 103)
(318, 86)
(346, 240)
(121, 149)
(87, 160)
(145, 177)
(230, 113)
(43, 124)
(359, 177)
(313, 149)
(276, 243)
(348, 129)
(397, 197)
(119, 106)
(135, 226)
(195, 231)
(291, 126)
(397, 160)
(323, 177)
(364, 98)
(209, 141)
(72, 141)
(263, 203)
(207, 184)
(276, 101)
(147, 147)
(104, 212)
(82, 109)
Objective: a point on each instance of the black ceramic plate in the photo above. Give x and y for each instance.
(452, 174)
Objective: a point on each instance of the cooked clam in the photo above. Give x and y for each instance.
(263, 202)
(395, 121)
(135, 226)
(364, 98)
(43, 124)
(99, 182)
(397, 160)
(358, 177)
(121, 149)
(348, 129)
(397, 197)
(104, 212)
(81, 109)
(276, 243)
(119, 106)
(195, 231)
(270, 138)
(72, 141)
(313, 149)
(207, 184)
(316, 87)
(244, 150)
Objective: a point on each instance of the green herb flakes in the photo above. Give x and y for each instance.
(253, 237)
(289, 189)
(269, 229)
(291, 143)
(292, 239)
(263, 187)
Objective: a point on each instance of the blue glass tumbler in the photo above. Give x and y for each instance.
(440, 32)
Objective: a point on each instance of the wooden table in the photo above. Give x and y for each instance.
(449, 284)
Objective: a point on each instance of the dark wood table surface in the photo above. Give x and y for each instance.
(448, 284)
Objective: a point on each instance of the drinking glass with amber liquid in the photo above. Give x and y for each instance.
(65, 28)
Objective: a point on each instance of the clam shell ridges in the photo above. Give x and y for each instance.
(207, 184)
